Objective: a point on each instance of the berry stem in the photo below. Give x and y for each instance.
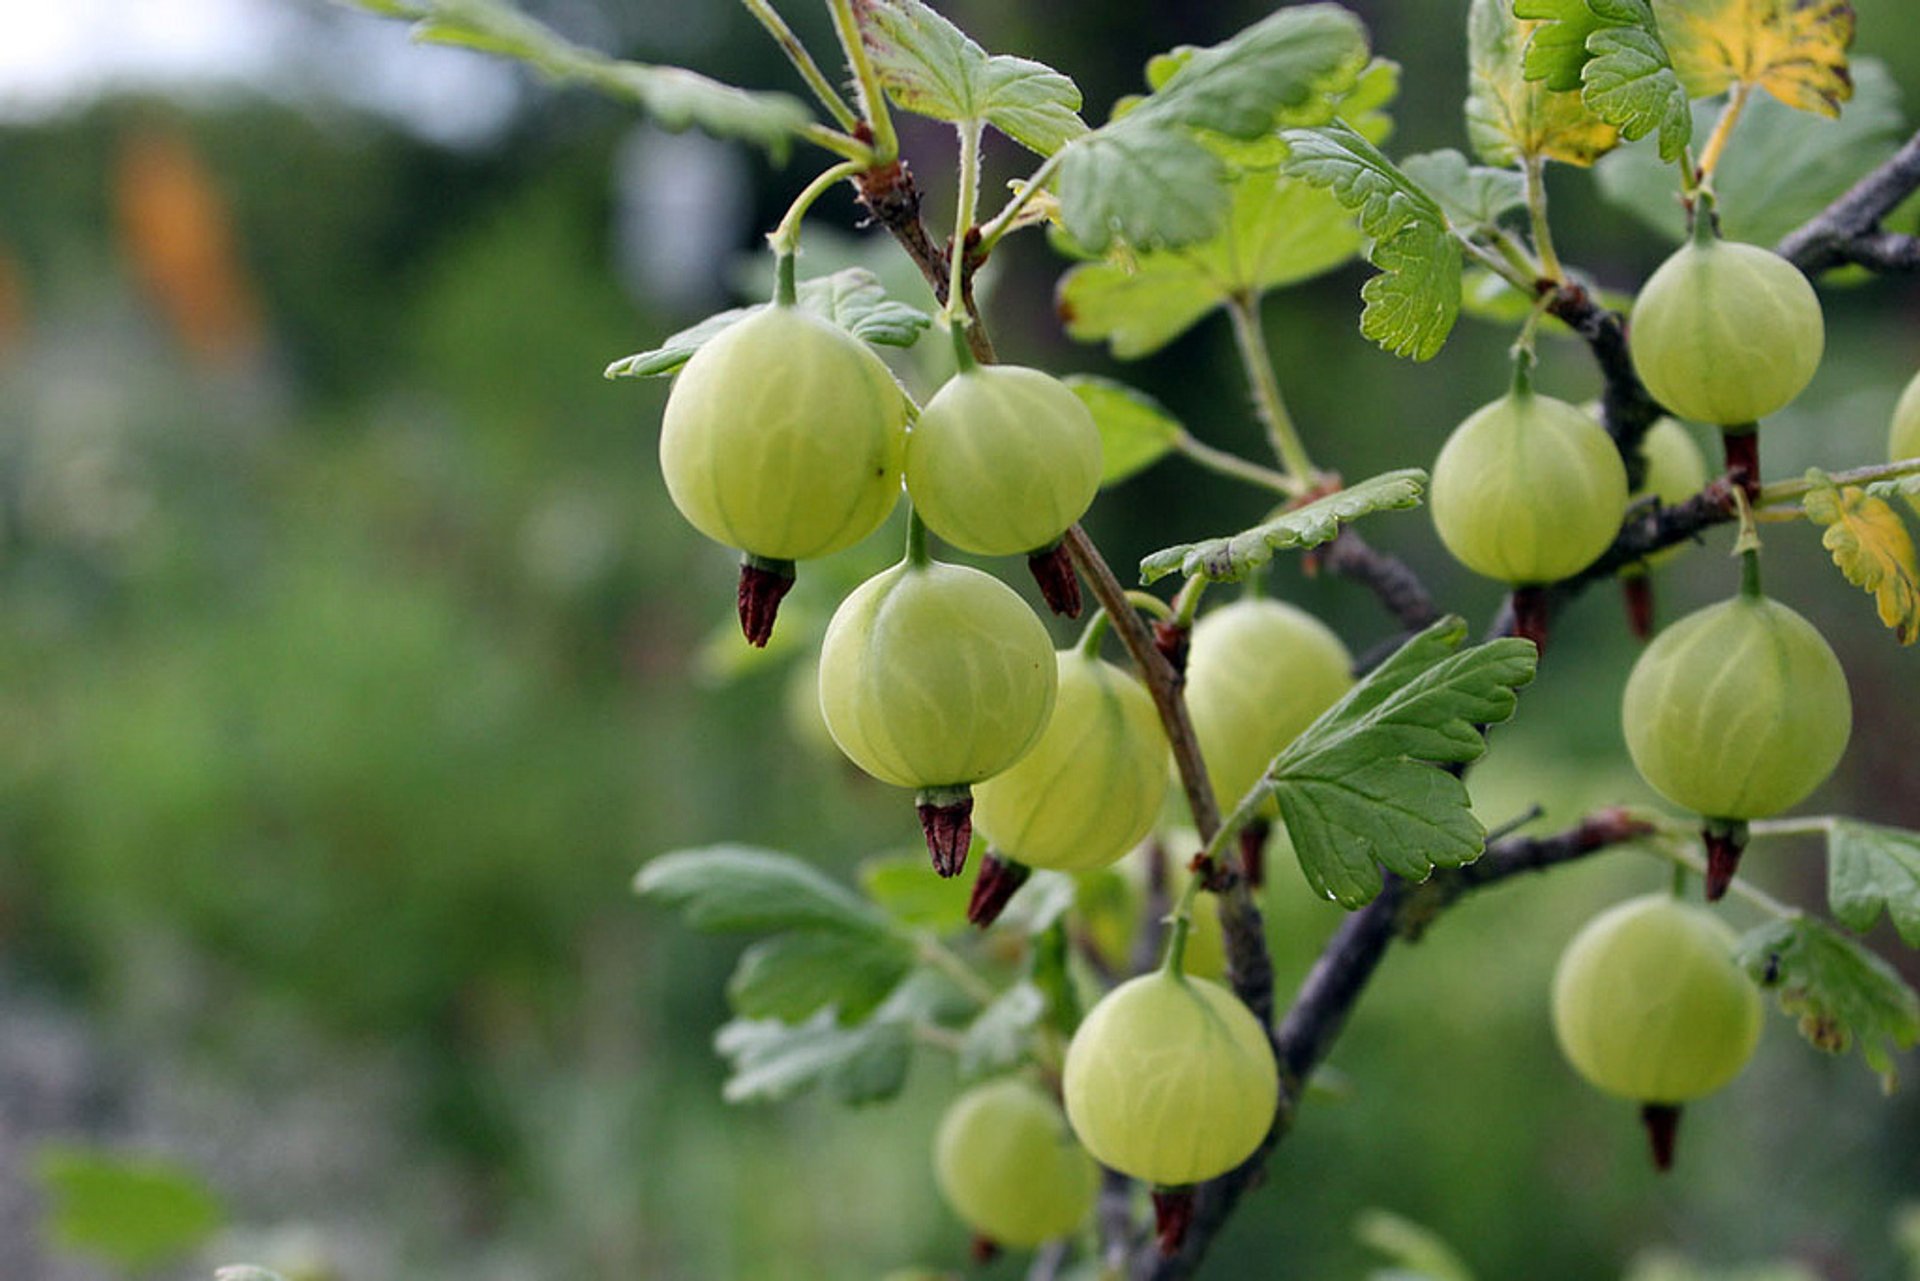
(917, 540)
(1550, 266)
(1722, 131)
(1257, 359)
(955, 310)
(872, 99)
(1180, 923)
(785, 238)
(1092, 634)
(1750, 574)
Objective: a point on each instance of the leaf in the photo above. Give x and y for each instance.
(1360, 789)
(1794, 49)
(735, 888)
(1148, 178)
(1136, 430)
(245, 1272)
(1907, 486)
(790, 976)
(1870, 544)
(1842, 993)
(998, 1038)
(1783, 167)
(1228, 560)
(1511, 118)
(931, 68)
(1556, 52)
(136, 1212)
(902, 887)
(853, 299)
(1279, 231)
(675, 98)
(1411, 306)
(1036, 905)
(1871, 868)
(1416, 1251)
(773, 1060)
(1473, 196)
(1612, 53)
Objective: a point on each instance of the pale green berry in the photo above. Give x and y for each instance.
(1903, 440)
(1010, 1168)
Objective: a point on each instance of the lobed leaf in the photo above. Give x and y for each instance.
(1556, 52)
(1871, 869)
(1610, 51)
(136, 1212)
(1841, 993)
(1794, 49)
(1411, 306)
(790, 976)
(998, 1038)
(773, 1060)
(1227, 560)
(1361, 789)
(853, 299)
(1136, 431)
(674, 97)
(1472, 196)
(736, 888)
(1148, 176)
(1870, 544)
(932, 68)
(1511, 118)
(899, 884)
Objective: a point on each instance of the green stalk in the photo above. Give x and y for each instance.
(803, 62)
(969, 131)
(1251, 340)
(1002, 222)
(785, 238)
(1537, 215)
(873, 99)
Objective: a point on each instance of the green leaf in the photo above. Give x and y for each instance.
(1872, 868)
(1781, 167)
(1473, 196)
(789, 976)
(1036, 905)
(1230, 559)
(1415, 1251)
(907, 891)
(136, 1212)
(853, 299)
(1611, 51)
(1841, 992)
(1662, 1265)
(1148, 177)
(1136, 430)
(245, 1272)
(1412, 304)
(931, 68)
(1907, 486)
(773, 1060)
(735, 888)
(999, 1037)
(1360, 789)
(675, 98)
(1510, 117)
(1279, 231)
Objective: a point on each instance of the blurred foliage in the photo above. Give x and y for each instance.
(351, 645)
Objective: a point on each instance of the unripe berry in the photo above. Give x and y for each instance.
(1170, 1080)
(935, 675)
(784, 436)
(1091, 787)
(1648, 1003)
(1726, 333)
(1737, 711)
(1010, 1168)
(1676, 471)
(1528, 490)
(1903, 440)
(1002, 460)
(1259, 671)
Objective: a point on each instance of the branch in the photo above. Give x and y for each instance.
(1391, 579)
(1627, 409)
(1848, 230)
(1341, 975)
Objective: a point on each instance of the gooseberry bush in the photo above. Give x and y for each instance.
(1109, 996)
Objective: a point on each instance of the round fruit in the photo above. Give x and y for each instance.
(1528, 489)
(1726, 333)
(1648, 1003)
(1258, 672)
(784, 437)
(1904, 440)
(1009, 1167)
(1091, 787)
(1170, 1080)
(1738, 710)
(1676, 471)
(1002, 460)
(935, 675)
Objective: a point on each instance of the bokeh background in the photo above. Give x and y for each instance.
(352, 659)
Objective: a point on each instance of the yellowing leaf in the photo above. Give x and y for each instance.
(1873, 549)
(1794, 49)
(1510, 117)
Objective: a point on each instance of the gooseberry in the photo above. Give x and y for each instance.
(1903, 440)
(1528, 490)
(1259, 671)
(1010, 1168)
(1170, 1080)
(1091, 787)
(1676, 471)
(1002, 460)
(1738, 710)
(1726, 333)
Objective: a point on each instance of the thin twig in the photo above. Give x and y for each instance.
(1848, 230)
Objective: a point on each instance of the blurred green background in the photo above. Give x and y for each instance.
(354, 659)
